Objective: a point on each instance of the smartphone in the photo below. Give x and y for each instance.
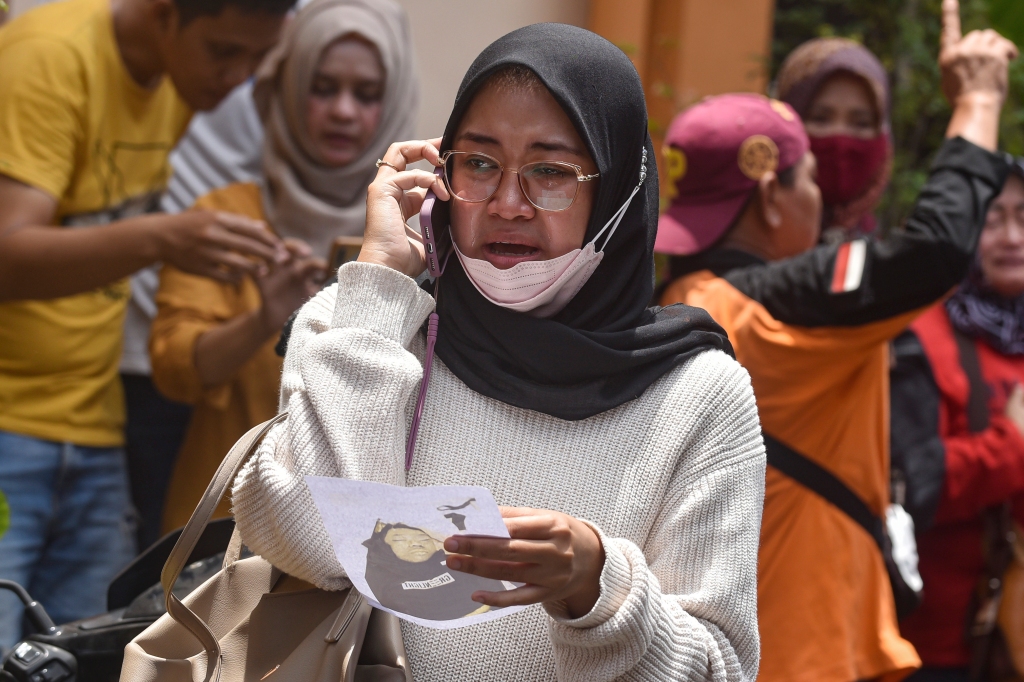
(436, 230)
(343, 250)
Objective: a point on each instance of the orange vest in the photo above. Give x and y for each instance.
(825, 605)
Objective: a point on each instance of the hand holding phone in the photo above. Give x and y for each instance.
(396, 194)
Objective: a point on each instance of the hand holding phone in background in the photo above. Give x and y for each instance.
(288, 284)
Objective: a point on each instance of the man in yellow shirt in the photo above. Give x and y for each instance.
(93, 96)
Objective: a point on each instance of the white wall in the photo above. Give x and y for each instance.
(449, 34)
(22, 6)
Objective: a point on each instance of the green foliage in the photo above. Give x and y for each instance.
(5, 514)
(905, 36)
(1008, 18)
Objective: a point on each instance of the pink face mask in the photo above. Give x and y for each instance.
(542, 288)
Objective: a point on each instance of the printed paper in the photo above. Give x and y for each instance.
(389, 540)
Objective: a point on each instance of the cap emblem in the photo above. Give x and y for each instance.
(758, 155)
(675, 162)
(782, 110)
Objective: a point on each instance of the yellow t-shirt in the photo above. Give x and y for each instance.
(74, 124)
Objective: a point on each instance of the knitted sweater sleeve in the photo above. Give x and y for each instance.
(348, 377)
(685, 606)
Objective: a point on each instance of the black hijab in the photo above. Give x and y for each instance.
(606, 347)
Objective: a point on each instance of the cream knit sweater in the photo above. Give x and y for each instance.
(673, 481)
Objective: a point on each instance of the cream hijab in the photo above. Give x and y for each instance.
(303, 198)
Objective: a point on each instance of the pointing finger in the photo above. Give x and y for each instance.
(951, 31)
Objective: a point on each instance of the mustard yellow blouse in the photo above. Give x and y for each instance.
(188, 306)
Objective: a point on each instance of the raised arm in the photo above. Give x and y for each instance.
(868, 280)
(975, 78)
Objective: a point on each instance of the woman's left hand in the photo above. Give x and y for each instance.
(560, 558)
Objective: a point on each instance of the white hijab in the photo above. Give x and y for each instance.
(303, 198)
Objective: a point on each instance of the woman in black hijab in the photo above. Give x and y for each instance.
(554, 386)
(606, 346)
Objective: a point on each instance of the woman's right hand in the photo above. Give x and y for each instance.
(294, 276)
(391, 199)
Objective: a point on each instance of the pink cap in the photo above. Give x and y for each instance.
(715, 153)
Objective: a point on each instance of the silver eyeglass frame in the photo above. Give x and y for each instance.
(442, 162)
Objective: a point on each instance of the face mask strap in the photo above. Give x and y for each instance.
(618, 215)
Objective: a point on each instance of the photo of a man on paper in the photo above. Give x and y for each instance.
(390, 541)
(405, 569)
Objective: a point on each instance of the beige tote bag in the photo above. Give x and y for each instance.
(251, 623)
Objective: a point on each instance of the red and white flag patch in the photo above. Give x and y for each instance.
(849, 268)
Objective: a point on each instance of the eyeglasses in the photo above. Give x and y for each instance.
(548, 185)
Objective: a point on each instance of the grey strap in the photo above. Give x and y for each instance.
(977, 397)
(233, 462)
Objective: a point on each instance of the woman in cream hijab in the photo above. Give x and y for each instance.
(317, 160)
(337, 90)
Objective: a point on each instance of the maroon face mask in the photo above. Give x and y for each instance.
(847, 165)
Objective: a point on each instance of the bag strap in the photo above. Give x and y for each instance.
(816, 478)
(997, 522)
(226, 472)
(977, 397)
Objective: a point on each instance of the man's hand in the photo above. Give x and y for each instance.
(975, 77)
(40, 260)
(560, 558)
(289, 284)
(222, 246)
